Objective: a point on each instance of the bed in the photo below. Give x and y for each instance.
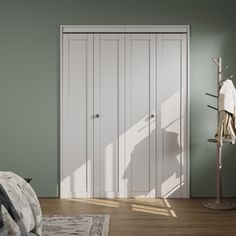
(20, 212)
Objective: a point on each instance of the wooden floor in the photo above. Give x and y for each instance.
(150, 217)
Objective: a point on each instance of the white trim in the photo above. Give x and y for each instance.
(188, 110)
(184, 119)
(125, 28)
(61, 111)
(128, 29)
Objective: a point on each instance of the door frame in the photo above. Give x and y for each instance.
(181, 29)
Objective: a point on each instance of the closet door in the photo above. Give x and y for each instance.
(108, 111)
(140, 64)
(171, 119)
(77, 116)
(123, 115)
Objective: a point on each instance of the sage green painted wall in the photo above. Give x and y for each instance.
(29, 79)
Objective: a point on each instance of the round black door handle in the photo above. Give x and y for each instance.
(152, 115)
(97, 116)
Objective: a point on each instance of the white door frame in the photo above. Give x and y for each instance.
(184, 29)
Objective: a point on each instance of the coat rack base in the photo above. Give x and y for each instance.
(219, 205)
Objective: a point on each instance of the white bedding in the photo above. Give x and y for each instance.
(25, 202)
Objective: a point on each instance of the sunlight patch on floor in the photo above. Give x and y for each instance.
(99, 202)
(151, 210)
(152, 206)
(147, 201)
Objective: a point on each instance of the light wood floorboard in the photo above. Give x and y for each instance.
(150, 217)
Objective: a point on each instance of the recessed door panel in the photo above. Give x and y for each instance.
(77, 116)
(140, 114)
(107, 75)
(169, 161)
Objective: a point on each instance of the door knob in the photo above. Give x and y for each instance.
(152, 115)
(97, 115)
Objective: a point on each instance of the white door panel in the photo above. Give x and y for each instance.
(77, 116)
(108, 49)
(170, 132)
(140, 76)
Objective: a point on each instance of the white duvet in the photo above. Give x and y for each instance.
(25, 202)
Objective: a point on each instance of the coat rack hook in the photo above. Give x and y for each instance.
(216, 61)
(214, 108)
(211, 95)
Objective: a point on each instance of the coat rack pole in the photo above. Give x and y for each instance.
(219, 174)
(219, 145)
(219, 204)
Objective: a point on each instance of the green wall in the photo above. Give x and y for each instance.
(29, 79)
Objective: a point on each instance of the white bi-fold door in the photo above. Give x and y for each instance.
(140, 115)
(123, 111)
(109, 112)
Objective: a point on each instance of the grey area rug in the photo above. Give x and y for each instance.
(83, 225)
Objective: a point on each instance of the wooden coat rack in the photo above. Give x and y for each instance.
(218, 203)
